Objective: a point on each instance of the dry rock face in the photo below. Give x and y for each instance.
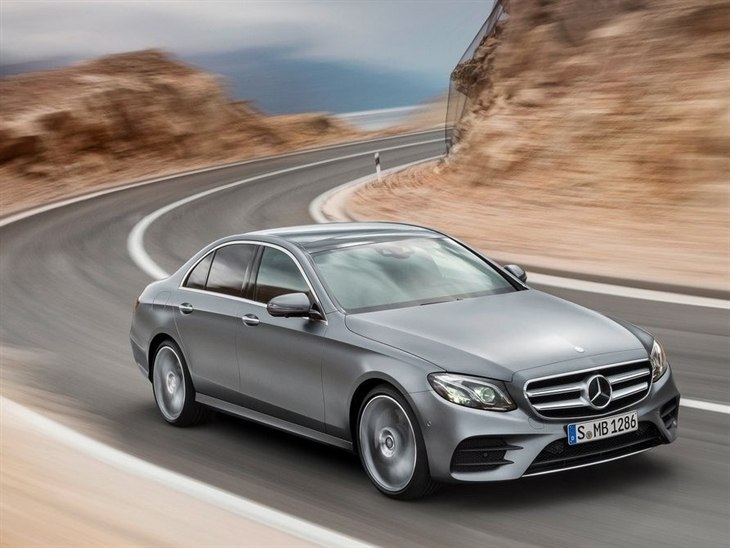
(596, 131)
(128, 116)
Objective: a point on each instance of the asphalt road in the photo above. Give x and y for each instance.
(67, 286)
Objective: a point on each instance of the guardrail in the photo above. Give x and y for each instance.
(458, 98)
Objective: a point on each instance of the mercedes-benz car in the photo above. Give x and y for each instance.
(429, 360)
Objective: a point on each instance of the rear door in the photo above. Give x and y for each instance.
(210, 308)
(280, 359)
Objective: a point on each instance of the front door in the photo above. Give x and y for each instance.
(280, 359)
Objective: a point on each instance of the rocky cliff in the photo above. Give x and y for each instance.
(620, 97)
(597, 137)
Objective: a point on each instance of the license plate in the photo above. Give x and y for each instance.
(583, 432)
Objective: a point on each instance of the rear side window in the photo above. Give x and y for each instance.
(229, 269)
(199, 275)
(278, 275)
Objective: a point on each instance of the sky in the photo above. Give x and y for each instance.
(422, 38)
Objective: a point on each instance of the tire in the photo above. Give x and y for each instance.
(391, 446)
(173, 389)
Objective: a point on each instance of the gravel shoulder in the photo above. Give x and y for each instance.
(54, 494)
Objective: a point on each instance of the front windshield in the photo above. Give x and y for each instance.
(405, 272)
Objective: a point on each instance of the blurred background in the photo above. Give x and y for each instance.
(583, 131)
(585, 139)
(139, 85)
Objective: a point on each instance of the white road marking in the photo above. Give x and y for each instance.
(627, 292)
(15, 217)
(225, 500)
(316, 206)
(135, 240)
(705, 405)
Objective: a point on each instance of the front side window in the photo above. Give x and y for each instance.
(405, 272)
(230, 268)
(278, 274)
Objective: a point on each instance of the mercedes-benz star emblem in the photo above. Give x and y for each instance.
(598, 391)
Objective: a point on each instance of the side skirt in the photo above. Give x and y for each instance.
(279, 424)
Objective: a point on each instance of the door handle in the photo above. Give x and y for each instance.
(186, 308)
(250, 319)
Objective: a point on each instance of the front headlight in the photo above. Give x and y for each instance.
(471, 392)
(659, 363)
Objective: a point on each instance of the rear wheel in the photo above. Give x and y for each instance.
(391, 447)
(173, 389)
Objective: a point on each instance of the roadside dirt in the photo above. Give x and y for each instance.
(55, 495)
(597, 139)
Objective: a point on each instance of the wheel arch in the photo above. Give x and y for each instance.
(362, 390)
(155, 344)
(420, 483)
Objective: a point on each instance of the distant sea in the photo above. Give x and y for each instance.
(278, 81)
(372, 120)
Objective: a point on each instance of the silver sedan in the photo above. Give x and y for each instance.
(431, 361)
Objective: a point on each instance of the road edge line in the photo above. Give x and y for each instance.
(316, 206)
(62, 202)
(135, 239)
(199, 490)
(705, 405)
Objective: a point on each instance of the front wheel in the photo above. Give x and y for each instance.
(173, 389)
(391, 447)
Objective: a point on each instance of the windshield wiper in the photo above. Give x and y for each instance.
(441, 301)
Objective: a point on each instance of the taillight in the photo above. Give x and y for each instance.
(136, 303)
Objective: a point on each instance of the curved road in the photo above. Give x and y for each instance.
(67, 286)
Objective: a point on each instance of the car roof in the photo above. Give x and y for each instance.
(320, 237)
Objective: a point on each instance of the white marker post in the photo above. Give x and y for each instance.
(377, 165)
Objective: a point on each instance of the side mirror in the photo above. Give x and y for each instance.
(292, 305)
(517, 272)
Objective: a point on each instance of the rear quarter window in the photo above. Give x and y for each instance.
(199, 275)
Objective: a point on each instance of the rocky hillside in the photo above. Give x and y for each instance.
(128, 116)
(595, 129)
(616, 96)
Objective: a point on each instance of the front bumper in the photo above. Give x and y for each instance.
(519, 438)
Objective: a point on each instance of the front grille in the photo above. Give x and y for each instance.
(480, 454)
(565, 396)
(559, 455)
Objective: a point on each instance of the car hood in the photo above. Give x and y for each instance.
(497, 335)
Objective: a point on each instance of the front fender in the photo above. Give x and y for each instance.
(352, 362)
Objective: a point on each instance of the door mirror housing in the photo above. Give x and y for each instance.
(292, 305)
(517, 272)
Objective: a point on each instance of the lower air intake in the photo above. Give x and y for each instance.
(481, 454)
(559, 455)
